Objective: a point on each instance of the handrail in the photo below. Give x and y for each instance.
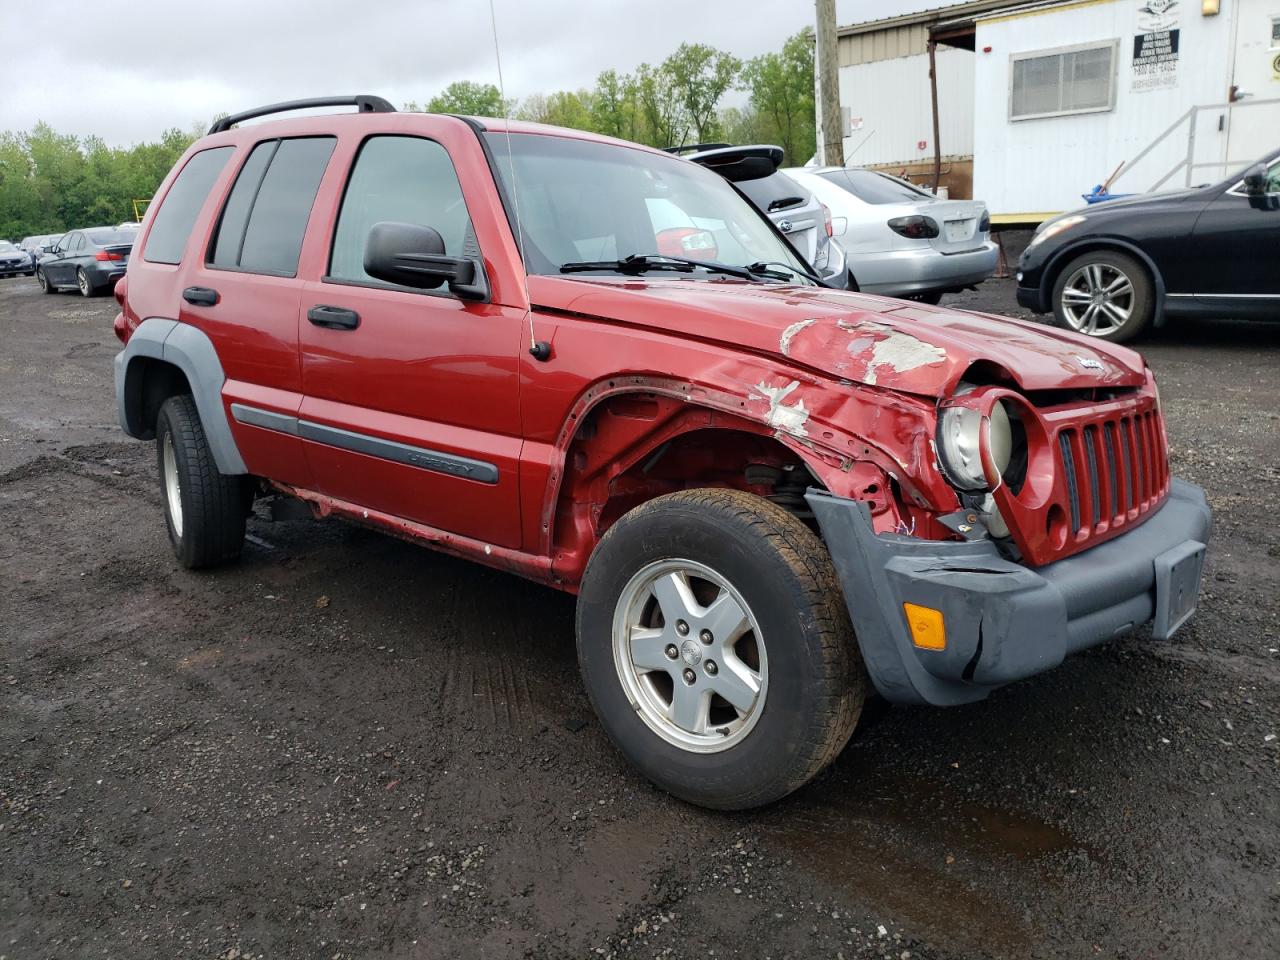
(1188, 163)
(365, 103)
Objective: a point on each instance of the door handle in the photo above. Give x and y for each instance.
(200, 296)
(335, 318)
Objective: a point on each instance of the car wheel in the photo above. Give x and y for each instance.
(82, 281)
(1104, 294)
(45, 285)
(716, 648)
(204, 510)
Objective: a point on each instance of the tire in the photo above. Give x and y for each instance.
(1104, 294)
(86, 286)
(798, 653)
(45, 285)
(204, 510)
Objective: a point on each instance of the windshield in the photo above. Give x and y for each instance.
(103, 237)
(6, 246)
(584, 201)
(876, 187)
(775, 192)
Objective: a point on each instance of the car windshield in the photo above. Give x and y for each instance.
(774, 193)
(107, 236)
(6, 246)
(876, 187)
(581, 201)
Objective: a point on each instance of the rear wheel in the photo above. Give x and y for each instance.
(716, 648)
(204, 510)
(1104, 294)
(82, 281)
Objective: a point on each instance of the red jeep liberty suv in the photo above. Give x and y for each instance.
(596, 365)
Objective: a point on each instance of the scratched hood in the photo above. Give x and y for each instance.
(890, 343)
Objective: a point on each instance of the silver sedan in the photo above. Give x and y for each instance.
(902, 241)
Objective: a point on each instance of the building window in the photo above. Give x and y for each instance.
(1055, 83)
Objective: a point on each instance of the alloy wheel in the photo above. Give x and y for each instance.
(1098, 299)
(172, 488)
(82, 281)
(690, 655)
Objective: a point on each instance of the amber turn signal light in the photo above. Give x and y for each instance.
(927, 629)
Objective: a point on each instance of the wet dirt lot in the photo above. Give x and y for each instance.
(347, 746)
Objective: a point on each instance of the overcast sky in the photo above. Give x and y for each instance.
(139, 67)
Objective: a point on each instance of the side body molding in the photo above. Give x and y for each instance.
(192, 352)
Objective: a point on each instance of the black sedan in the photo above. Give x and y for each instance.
(1111, 269)
(89, 260)
(14, 260)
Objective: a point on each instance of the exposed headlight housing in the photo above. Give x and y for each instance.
(960, 444)
(1055, 228)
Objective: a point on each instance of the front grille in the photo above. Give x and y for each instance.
(1113, 471)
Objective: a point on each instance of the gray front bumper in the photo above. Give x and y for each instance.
(1004, 621)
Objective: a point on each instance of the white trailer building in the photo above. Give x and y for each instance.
(1038, 102)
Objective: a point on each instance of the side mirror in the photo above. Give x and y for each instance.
(1255, 180)
(412, 255)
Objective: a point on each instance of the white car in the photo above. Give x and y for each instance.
(900, 240)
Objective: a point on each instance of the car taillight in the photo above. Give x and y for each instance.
(984, 225)
(107, 255)
(914, 227)
(826, 212)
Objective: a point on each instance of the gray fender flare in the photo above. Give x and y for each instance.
(192, 352)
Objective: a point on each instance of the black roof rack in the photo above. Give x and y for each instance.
(363, 102)
(695, 147)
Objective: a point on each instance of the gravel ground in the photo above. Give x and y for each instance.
(347, 746)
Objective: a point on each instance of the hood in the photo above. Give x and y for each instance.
(1099, 210)
(896, 344)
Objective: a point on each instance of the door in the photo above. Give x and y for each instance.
(1256, 77)
(411, 396)
(1236, 244)
(61, 267)
(243, 291)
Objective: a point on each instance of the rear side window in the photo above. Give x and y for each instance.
(265, 218)
(172, 225)
(402, 179)
(876, 187)
(774, 192)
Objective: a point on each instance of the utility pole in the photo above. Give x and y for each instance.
(829, 86)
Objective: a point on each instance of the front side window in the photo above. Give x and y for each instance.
(403, 180)
(1054, 83)
(579, 200)
(171, 227)
(265, 218)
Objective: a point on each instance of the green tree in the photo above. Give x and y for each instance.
(781, 95)
(615, 106)
(469, 99)
(664, 121)
(700, 76)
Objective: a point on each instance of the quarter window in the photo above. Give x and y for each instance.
(265, 218)
(172, 225)
(401, 179)
(1057, 82)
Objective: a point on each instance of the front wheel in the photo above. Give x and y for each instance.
(45, 285)
(204, 510)
(716, 648)
(1104, 294)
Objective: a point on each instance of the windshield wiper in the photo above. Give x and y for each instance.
(636, 263)
(761, 269)
(640, 262)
